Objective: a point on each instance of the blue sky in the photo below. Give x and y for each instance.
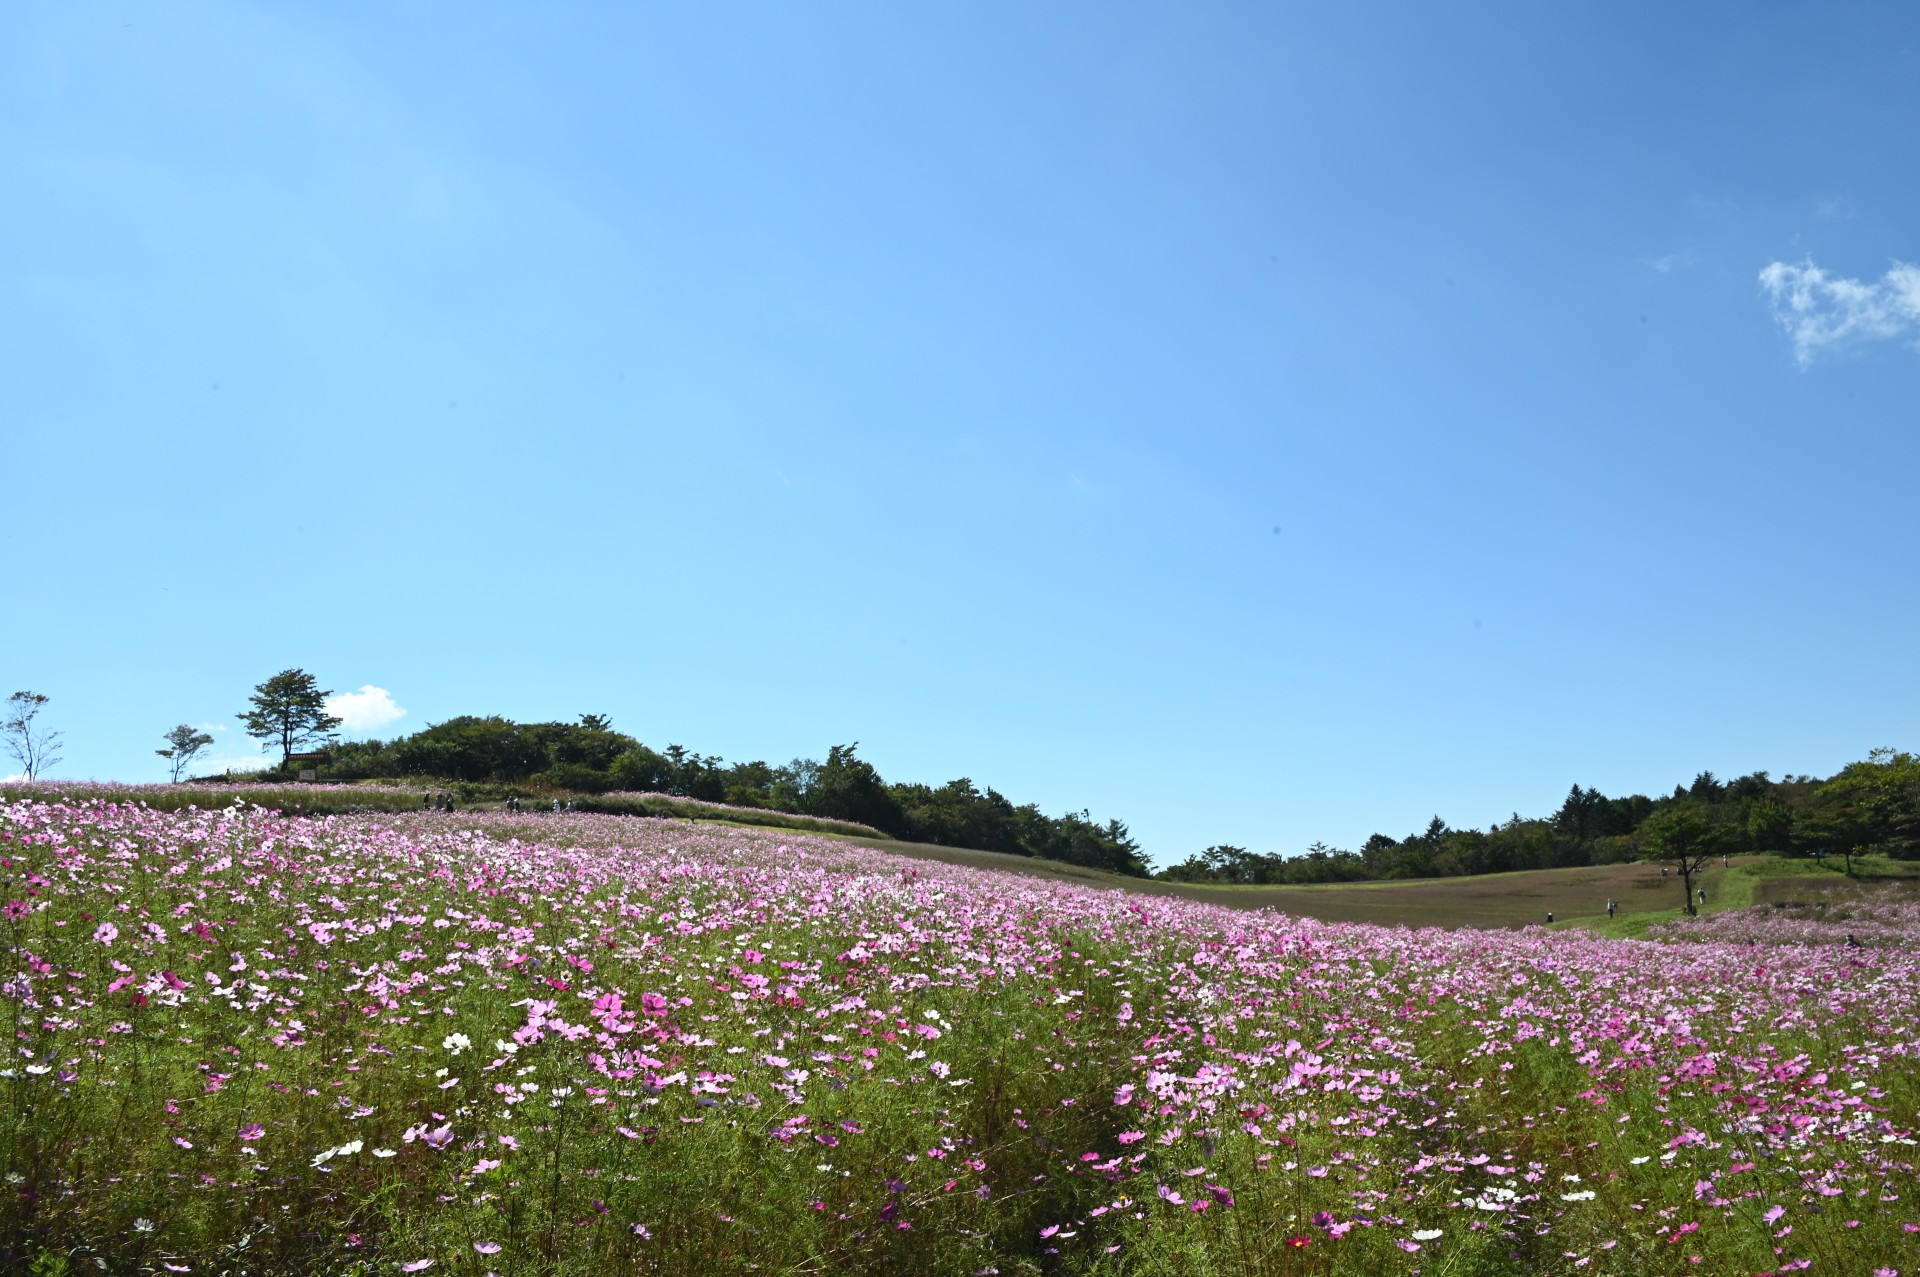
(1260, 423)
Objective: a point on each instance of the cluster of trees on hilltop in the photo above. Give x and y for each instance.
(589, 756)
(1872, 806)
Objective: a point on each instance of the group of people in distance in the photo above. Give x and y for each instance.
(444, 802)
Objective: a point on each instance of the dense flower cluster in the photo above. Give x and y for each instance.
(1869, 922)
(571, 1044)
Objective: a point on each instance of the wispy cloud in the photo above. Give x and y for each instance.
(365, 710)
(1822, 312)
(1670, 262)
(1835, 208)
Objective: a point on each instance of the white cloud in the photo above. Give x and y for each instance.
(365, 710)
(1819, 311)
(1670, 262)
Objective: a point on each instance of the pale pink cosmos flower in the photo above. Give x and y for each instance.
(487, 1248)
(252, 1131)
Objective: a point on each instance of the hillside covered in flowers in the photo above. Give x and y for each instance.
(386, 1043)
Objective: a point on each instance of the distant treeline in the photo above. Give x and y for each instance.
(591, 757)
(1870, 807)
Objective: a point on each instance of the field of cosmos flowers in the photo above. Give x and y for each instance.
(472, 1044)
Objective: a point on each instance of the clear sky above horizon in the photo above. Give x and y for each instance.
(1261, 423)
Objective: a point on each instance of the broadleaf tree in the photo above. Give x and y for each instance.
(1686, 838)
(186, 744)
(34, 747)
(289, 708)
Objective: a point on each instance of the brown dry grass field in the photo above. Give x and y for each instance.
(1492, 900)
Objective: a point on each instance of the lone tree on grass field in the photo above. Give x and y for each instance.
(1686, 839)
(187, 744)
(290, 708)
(34, 747)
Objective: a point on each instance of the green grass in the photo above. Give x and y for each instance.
(1575, 896)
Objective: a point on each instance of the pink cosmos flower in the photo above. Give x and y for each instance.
(106, 933)
(252, 1131)
(439, 1138)
(487, 1248)
(416, 1266)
